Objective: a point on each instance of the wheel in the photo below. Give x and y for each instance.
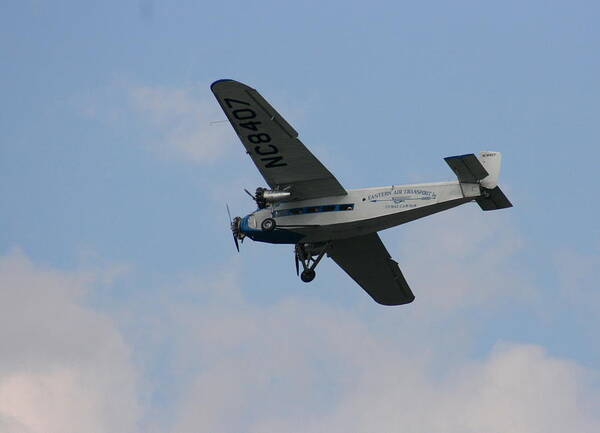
(308, 275)
(268, 224)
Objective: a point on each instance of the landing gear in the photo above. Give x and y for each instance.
(308, 275)
(268, 224)
(309, 255)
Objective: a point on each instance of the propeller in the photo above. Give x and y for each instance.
(297, 264)
(233, 226)
(250, 194)
(258, 197)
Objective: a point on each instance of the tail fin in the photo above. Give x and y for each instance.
(491, 161)
(492, 197)
(485, 171)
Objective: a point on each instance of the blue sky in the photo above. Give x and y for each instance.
(123, 296)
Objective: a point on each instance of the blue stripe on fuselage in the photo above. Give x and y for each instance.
(277, 236)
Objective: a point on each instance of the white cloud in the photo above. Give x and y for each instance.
(518, 388)
(298, 366)
(64, 368)
(233, 364)
(463, 257)
(176, 122)
(180, 121)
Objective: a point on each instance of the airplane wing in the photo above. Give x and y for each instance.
(273, 144)
(367, 261)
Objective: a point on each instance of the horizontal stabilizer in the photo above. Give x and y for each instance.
(493, 199)
(467, 168)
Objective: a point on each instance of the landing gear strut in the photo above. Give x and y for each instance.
(309, 255)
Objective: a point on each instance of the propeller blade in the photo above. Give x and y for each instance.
(250, 194)
(228, 213)
(297, 264)
(237, 245)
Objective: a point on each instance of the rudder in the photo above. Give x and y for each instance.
(484, 170)
(492, 162)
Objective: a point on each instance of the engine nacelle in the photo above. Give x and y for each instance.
(264, 196)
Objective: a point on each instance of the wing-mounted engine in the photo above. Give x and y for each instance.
(263, 197)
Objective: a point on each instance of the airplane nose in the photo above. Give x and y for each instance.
(236, 227)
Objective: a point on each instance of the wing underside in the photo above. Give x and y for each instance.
(367, 261)
(273, 144)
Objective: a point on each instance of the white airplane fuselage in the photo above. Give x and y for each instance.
(361, 211)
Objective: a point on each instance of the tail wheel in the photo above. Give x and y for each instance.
(268, 224)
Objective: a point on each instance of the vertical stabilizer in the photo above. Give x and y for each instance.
(491, 161)
(481, 172)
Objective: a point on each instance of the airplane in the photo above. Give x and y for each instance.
(307, 207)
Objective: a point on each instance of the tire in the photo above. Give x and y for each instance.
(308, 275)
(268, 224)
